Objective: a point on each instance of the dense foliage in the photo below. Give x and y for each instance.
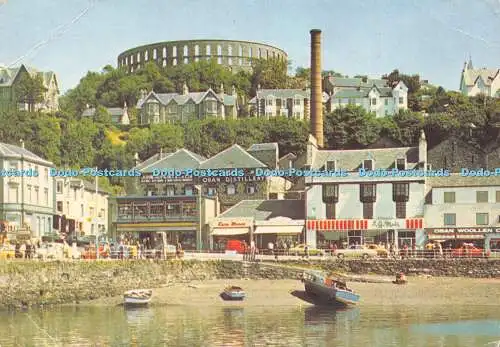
(69, 140)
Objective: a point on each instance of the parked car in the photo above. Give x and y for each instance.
(356, 251)
(381, 251)
(300, 250)
(50, 250)
(469, 251)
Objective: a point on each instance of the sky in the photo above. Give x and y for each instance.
(368, 37)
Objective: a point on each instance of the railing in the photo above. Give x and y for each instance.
(165, 218)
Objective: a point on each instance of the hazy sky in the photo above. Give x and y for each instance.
(429, 37)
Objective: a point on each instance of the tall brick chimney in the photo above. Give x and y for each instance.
(316, 90)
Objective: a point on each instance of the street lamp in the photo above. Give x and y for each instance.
(199, 237)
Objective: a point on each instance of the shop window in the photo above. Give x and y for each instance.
(400, 209)
(482, 196)
(368, 210)
(368, 193)
(251, 189)
(482, 219)
(400, 192)
(450, 219)
(449, 197)
(330, 211)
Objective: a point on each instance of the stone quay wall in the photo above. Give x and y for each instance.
(26, 283)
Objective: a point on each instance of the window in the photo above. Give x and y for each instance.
(330, 165)
(481, 196)
(449, 197)
(401, 100)
(386, 102)
(59, 187)
(67, 207)
(367, 193)
(368, 164)
(450, 219)
(211, 191)
(296, 102)
(46, 196)
(498, 196)
(59, 206)
(13, 194)
(330, 193)
(46, 175)
(330, 211)
(30, 196)
(374, 101)
(401, 164)
(188, 190)
(82, 210)
(400, 209)
(368, 210)
(273, 196)
(211, 106)
(269, 102)
(482, 219)
(400, 192)
(251, 189)
(37, 195)
(231, 189)
(74, 194)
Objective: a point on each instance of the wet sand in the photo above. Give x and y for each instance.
(419, 291)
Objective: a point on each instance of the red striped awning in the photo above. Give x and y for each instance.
(414, 223)
(337, 224)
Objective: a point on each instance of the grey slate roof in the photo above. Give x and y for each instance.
(356, 82)
(362, 92)
(283, 93)
(113, 111)
(8, 75)
(352, 160)
(455, 180)
(270, 146)
(195, 97)
(11, 151)
(487, 75)
(234, 157)
(181, 159)
(267, 209)
(151, 160)
(88, 186)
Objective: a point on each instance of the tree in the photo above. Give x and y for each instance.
(409, 126)
(269, 74)
(30, 90)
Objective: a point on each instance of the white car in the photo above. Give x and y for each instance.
(355, 251)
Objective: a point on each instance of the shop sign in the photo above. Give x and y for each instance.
(387, 224)
(232, 224)
(229, 179)
(463, 230)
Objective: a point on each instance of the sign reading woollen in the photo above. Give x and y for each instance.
(464, 230)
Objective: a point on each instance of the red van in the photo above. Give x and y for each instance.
(235, 245)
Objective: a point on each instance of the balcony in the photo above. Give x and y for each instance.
(157, 209)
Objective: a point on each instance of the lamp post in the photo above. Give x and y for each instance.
(199, 236)
(22, 184)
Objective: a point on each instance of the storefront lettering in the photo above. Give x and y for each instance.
(386, 224)
(231, 179)
(232, 224)
(463, 230)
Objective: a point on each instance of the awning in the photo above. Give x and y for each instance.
(229, 231)
(470, 236)
(275, 229)
(440, 236)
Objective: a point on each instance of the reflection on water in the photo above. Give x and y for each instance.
(253, 326)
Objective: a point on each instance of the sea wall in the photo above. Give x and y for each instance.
(24, 284)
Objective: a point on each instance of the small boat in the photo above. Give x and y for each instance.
(137, 296)
(400, 279)
(329, 289)
(233, 293)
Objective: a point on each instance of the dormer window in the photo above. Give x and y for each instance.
(330, 165)
(368, 164)
(401, 163)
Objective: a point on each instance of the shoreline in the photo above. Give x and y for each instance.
(419, 291)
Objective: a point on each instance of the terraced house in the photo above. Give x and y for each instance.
(29, 100)
(374, 95)
(156, 108)
(183, 207)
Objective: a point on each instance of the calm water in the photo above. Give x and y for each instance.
(257, 326)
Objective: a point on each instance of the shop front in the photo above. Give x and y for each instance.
(455, 237)
(346, 232)
(279, 231)
(176, 232)
(225, 229)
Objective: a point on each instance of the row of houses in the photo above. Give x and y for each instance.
(40, 204)
(205, 212)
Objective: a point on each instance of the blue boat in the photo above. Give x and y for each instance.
(328, 289)
(233, 293)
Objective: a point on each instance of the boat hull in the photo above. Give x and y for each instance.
(331, 295)
(137, 297)
(233, 295)
(136, 301)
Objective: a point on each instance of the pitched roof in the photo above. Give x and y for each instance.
(356, 82)
(270, 146)
(8, 75)
(267, 209)
(11, 151)
(487, 75)
(457, 180)
(113, 111)
(154, 158)
(88, 186)
(352, 160)
(181, 99)
(283, 93)
(234, 157)
(181, 159)
(362, 92)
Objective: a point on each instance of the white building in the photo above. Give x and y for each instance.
(355, 209)
(374, 95)
(291, 103)
(462, 209)
(479, 81)
(27, 201)
(83, 205)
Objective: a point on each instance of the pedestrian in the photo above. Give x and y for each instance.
(252, 250)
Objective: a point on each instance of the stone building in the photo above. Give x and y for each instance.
(9, 79)
(235, 55)
(454, 154)
(156, 108)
